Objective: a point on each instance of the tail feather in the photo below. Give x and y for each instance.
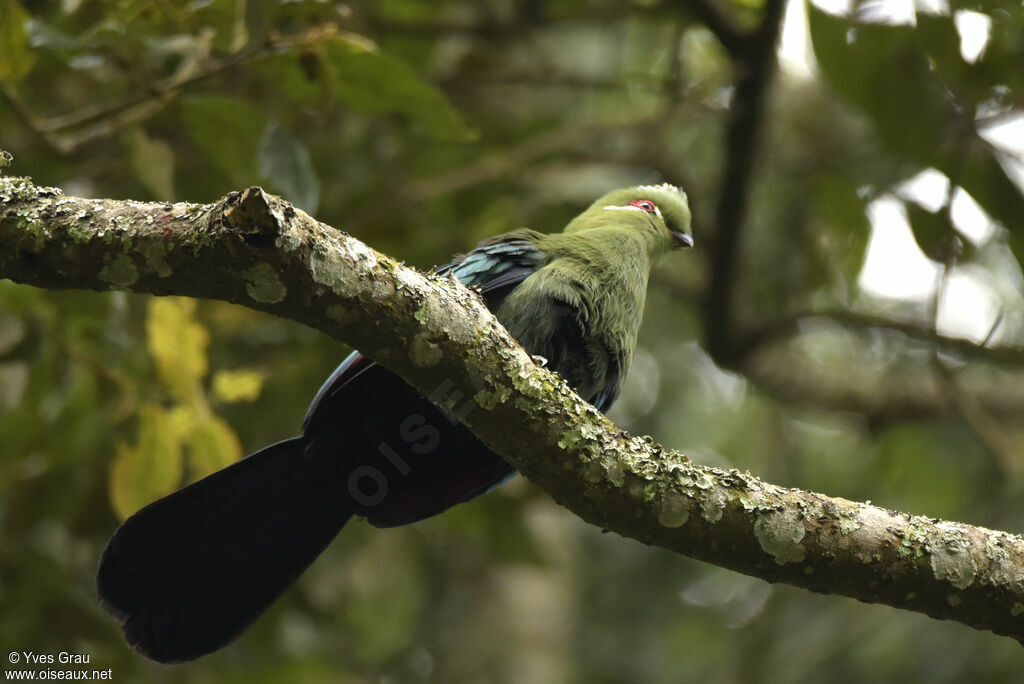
(190, 572)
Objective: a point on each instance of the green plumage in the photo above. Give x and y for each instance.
(592, 285)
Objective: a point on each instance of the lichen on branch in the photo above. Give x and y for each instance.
(257, 250)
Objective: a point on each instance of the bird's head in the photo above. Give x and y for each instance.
(660, 212)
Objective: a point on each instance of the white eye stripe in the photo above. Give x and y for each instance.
(633, 207)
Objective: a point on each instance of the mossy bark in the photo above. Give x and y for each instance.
(257, 250)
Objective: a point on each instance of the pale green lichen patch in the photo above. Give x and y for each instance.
(289, 239)
(490, 399)
(263, 285)
(357, 252)
(120, 272)
(21, 188)
(674, 509)
(616, 476)
(408, 279)
(1002, 571)
(326, 267)
(155, 254)
(779, 533)
(914, 539)
(994, 549)
(748, 502)
(530, 384)
(811, 509)
(712, 506)
(582, 438)
(423, 352)
(422, 314)
(952, 561)
(81, 231)
(593, 472)
(848, 521)
(954, 600)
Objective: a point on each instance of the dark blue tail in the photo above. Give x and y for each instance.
(190, 572)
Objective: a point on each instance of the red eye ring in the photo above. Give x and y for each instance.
(646, 205)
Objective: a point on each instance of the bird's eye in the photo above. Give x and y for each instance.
(646, 205)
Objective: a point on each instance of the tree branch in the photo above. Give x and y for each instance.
(755, 66)
(259, 251)
(719, 23)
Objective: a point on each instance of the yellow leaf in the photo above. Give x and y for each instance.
(237, 385)
(212, 445)
(178, 345)
(150, 469)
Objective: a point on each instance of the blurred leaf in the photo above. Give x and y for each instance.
(237, 385)
(212, 445)
(177, 344)
(933, 232)
(228, 130)
(880, 69)
(16, 59)
(372, 81)
(285, 162)
(883, 70)
(150, 469)
(153, 163)
(984, 179)
(940, 39)
(1004, 53)
(847, 228)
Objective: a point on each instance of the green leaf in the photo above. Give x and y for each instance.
(177, 344)
(847, 229)
(16, 57)
(884, 71)
(938, 36)
(153, 163)
(372, 81)
(150, 469)
(228, 131)
(212, 445)
(880, 69)
(985, 179)
(237, 385)
(285, 163)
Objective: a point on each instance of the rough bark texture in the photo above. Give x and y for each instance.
(259, 251)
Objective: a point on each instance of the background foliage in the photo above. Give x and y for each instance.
(422, 127)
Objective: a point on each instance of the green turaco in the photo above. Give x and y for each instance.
(190, 572)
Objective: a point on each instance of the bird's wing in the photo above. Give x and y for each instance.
(493, 269)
